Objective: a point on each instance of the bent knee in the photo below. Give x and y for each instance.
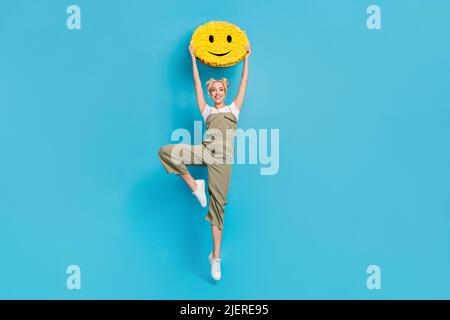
(164, 151)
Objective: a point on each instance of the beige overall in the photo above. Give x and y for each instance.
(216, 155)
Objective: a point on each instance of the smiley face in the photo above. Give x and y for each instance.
(219, 43)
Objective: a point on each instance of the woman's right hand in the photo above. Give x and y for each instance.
(192, 51)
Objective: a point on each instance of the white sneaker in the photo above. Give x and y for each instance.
(216, 274)
(200, 192)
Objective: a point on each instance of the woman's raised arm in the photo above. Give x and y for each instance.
(198, 84)
(239, 100)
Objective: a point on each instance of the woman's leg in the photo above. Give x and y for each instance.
(174, 162)
(218, 183)
(217, 239)
(190, 181)
(175, 158)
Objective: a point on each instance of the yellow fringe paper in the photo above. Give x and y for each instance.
(220, 52)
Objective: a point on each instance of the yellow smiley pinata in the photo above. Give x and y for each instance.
(219, 43)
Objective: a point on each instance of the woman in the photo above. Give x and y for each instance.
(215, 152)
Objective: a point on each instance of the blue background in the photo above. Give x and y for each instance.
(364, 154)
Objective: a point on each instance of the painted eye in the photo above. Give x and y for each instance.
(229, 38)
(211, 38)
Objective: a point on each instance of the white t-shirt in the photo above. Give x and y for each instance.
(230, 108)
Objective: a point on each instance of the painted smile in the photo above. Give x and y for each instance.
(219, 54)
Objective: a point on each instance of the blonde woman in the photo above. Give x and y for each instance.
(215, 152)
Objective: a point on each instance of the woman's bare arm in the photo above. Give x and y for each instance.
(198, 84)
(239, 100)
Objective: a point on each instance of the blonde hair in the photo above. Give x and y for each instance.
(210, 82)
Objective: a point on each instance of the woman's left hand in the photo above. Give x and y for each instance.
(248, 49)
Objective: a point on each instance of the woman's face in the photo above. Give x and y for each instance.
(217, 92)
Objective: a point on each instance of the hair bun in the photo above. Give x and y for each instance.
(225, 82)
